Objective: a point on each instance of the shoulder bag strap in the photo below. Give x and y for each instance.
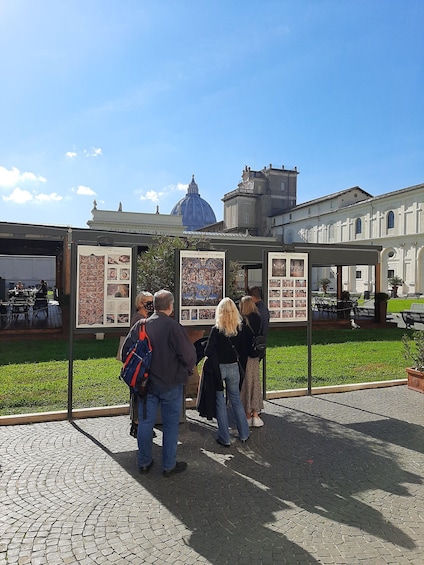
(234, 349)
(251, 329)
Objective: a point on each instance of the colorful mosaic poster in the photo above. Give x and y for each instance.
(202, 286)
(287, 298)
(103, 286)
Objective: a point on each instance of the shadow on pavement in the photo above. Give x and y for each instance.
(247, 502)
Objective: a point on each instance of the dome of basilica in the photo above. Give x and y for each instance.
(195, 211)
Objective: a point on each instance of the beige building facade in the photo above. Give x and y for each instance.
(259, 195)
(264, 205)
(394, 221)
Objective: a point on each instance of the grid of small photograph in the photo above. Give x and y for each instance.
(287, 286)
(103, 286)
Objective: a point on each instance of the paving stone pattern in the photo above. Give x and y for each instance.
(334, 478)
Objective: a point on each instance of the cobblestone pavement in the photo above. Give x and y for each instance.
(335, 478)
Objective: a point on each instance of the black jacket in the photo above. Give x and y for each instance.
(210, 382)
(252, 327)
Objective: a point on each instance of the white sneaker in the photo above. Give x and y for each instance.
(257, 422)
(250, 422)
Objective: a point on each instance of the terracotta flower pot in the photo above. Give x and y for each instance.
(415, 379)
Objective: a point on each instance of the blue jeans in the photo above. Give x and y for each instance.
(170, 400)
(231, 377)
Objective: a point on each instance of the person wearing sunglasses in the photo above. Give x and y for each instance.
(143, 306)
(143, 309)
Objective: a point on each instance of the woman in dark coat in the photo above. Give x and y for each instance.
(251, 392)
(225, 345)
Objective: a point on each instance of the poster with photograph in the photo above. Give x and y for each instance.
(202, 286)
(103, 286)
(287, 298)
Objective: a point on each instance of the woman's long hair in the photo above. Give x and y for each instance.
(227, 317)
(247, 306)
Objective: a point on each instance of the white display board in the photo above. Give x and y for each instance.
(103, 286)
(201, 286)
(287, 284)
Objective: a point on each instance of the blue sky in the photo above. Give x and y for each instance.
(122, 101)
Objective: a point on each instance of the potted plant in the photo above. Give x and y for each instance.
(381, 299)
(324, 282)
(414, 352)
(395, 283)
(344, 305)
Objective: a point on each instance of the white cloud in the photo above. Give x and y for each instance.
(13, 177)
(19, 196)
(156, 196)
(85, 190)
(93, 152)
(52, 197)
(151, 195)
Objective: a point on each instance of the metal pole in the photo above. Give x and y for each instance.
(72, 304)
(309, 327)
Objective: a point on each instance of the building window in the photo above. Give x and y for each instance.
(289, 237)
(390, 220)
(283, 186)
(358, 226)
(358, 274)
(390, 273)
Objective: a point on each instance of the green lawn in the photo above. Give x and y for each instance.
(34, 374)
(398, 304)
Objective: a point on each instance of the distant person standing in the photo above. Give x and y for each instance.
(251, 391)
(256, 293)
(173, 360)
(42, 291)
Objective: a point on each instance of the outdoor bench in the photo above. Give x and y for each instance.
(363, 312)
(414, 315)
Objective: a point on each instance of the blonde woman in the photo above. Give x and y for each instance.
(226, 346)
(251, 393)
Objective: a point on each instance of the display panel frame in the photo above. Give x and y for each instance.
(201, 284)
(287, 287)
(104, 286)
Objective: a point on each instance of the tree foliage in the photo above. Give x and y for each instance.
(395, 281)
(235, 273)
(156, 266)
(324, 282)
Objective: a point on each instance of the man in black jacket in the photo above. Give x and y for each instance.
(173, 360)
(256, 293)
